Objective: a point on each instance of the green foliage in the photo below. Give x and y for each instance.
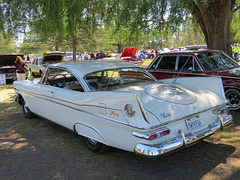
(7, 45)
(235, 28)
(95, 25)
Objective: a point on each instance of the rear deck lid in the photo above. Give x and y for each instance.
(53, 57)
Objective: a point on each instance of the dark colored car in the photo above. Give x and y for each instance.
(200, 63)
(7, 66)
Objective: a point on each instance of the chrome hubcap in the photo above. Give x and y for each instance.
(25, 107)
(233, 100)
(92, 141)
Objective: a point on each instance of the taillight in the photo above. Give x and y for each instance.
(153, 135)
(222, 110)
(166, 132)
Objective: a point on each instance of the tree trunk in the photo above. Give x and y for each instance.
(74, 47)
(214, 17)
(119, 46)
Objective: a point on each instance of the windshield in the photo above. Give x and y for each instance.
(113, 79)
(216, 60)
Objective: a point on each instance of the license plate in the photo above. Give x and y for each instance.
(193, 122)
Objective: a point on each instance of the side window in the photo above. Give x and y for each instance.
(62, 79)
(185, 63)
(167, 62)
(154, 65)
(35, 61)
(188, 63)
(196, 65)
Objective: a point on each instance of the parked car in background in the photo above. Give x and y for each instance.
(7, 66)
(37, 67)
(195, 47)
(69, 56)
(203, 63)
(128, 55)
(119, 104)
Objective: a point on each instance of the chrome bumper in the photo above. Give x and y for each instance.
(182, 140)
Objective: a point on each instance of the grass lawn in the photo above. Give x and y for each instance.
(38, 149)
(146, 62)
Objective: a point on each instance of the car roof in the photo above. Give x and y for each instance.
(189, 52)
(85, 67)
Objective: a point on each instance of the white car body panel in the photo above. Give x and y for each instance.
(100, 115)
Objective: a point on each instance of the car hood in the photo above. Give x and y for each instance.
(8, 59)
(165, 102)
(50, 58)
(129, 52)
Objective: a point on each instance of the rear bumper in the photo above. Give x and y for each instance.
(182, 140)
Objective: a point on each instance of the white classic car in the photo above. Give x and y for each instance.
(119, 104)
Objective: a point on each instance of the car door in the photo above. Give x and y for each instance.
(163, 66)
(35, 66)
(55, 96)
(175, 66)
(188, 66)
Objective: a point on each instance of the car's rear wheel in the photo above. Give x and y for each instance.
(26, 111)
(233, 98)
(95, 146)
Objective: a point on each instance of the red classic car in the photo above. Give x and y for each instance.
(200, 63)
(128, 56)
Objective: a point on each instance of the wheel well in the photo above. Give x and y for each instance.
(19, 99)
(227, 88)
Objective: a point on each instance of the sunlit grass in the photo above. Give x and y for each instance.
(146, 62)
(229, 135)
(17, 132)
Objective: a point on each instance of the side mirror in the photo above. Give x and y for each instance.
(190, 69)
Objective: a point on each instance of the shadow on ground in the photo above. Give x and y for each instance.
(38, 149)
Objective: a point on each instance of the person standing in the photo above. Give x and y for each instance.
(20, 68)
(101, 55)
(235, 51)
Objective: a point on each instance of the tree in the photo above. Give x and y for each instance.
(214, 17)
(67, 18)
(7, 45)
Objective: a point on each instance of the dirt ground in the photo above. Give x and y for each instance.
(37, 149)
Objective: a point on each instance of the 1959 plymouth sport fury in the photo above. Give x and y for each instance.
(119, 104)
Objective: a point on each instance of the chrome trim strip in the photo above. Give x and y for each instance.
(222, 88)
(181, 140)
(142, 110)
(197, 74)
(183, 137)
(32, 93)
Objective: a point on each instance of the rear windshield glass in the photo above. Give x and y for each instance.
(108, 80)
